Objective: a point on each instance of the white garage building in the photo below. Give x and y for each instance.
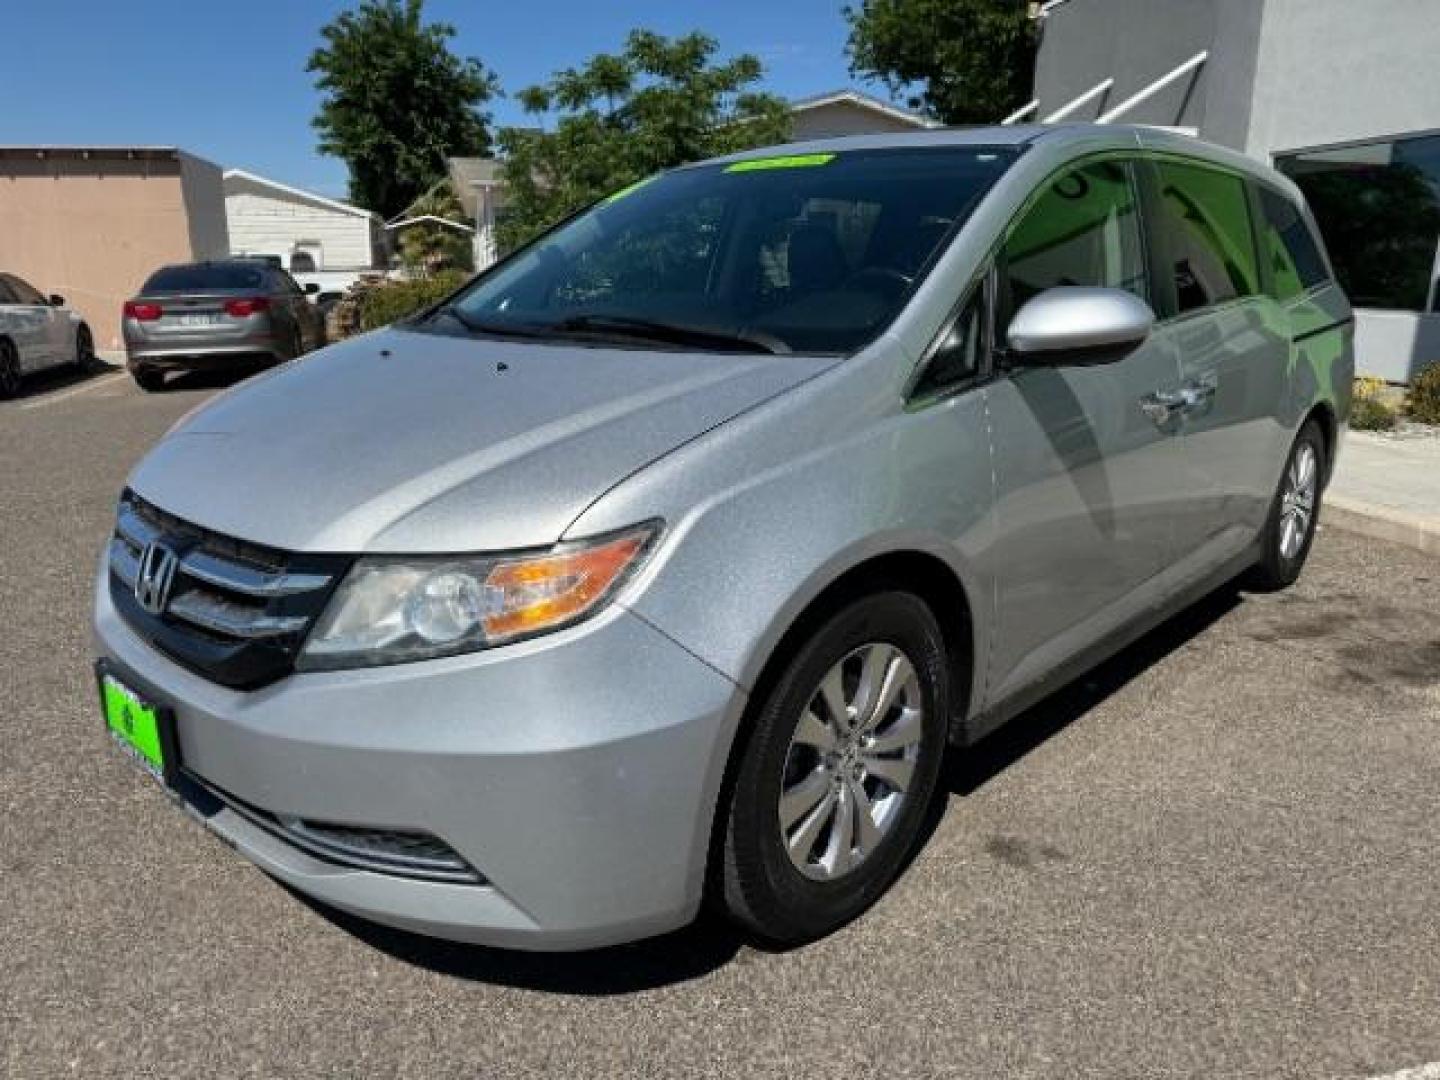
(308, 231)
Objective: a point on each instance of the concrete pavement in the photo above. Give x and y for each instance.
(1387, 486)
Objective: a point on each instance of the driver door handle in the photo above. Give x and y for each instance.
(1162, 405)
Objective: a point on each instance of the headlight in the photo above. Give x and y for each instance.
(388, 610)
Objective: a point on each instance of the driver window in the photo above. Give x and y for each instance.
(1083, 230)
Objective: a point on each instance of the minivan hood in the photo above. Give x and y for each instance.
(402, 441)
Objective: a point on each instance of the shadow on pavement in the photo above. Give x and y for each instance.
(975, 766)
(676, 957)
(710, 943)
(53, 380)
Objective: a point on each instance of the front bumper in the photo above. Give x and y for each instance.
(577, 773)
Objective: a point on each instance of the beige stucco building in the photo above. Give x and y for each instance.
(91, 223)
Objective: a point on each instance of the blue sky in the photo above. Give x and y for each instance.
(227, 80)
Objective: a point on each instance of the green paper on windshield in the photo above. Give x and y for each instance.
(630, 188)
(792, 161)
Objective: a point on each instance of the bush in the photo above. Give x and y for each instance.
(1369, 386)
(1371, 414)
(1423, 400)
(380, 305)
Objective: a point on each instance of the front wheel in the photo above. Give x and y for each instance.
(1294, 513)
(150, 381)
(834, 784)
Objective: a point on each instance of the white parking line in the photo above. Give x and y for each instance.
(1419, 1072)
(40, 403)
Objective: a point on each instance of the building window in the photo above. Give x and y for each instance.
(1378, 208)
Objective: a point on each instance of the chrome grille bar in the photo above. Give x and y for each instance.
(133, 529)
(238, 578)
(232, 620)
(124, 563)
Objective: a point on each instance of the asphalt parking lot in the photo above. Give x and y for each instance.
(1217, 856)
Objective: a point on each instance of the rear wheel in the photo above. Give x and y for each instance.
(149, 381)
(1294, 513)
(85, 359)
(833, 786)
(9, 370)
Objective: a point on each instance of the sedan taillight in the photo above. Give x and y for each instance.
(138, 309)
(250, 305)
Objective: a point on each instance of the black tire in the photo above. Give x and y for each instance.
(10, 375)
(762, 887)
(1280, 560)
(149, 381)
(85, 358)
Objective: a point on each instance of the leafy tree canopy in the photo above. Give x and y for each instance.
(963, 61)
(659, 103)
(396, 102)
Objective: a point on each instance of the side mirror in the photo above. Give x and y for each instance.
(56, 300)
(1073, 324)
(311, 288)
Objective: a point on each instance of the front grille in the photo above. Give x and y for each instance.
(401, 852)
(236, 612)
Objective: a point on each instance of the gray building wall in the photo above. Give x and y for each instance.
(1281, 74)
(1134, 42)
(1335, 70)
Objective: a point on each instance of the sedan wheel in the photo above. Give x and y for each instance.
(9, 370)
(84, 350)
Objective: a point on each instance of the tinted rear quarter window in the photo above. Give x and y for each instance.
(1289, 247)
(1205, 218)
(208, 276)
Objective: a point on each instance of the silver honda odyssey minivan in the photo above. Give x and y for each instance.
(663, 562)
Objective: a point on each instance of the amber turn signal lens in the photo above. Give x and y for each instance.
(530, 595)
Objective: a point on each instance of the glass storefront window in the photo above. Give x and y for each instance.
(1378, 207)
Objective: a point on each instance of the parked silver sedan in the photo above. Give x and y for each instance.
(209, 315)
(37, 331)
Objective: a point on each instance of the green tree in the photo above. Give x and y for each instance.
(428, 247)
(659, 103)
(396, 102)
(962, 61)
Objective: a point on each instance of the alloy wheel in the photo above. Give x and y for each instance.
(850, 761)
(1297, 500)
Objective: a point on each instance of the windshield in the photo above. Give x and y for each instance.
(813, 253)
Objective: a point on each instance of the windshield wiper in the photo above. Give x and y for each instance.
(481, 326)
(672, 333)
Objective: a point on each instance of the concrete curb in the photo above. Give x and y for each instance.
(1420, 531)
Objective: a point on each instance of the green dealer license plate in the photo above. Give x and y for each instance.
(142, 728)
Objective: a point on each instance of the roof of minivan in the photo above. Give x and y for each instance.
(1052, 136)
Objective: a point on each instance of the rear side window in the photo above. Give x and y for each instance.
(1287, 244)
(1205, 220)
(1084, 229)
(207, 276)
